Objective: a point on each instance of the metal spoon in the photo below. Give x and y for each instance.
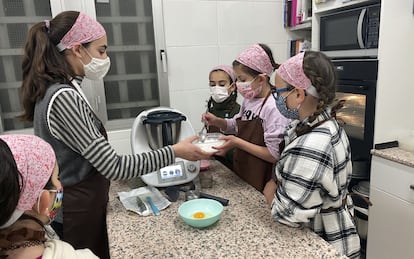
(203, 134)
(204, 130)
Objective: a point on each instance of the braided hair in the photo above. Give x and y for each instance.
(321, 72)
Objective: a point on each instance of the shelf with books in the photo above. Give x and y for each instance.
(295, 46)
(302, 26)
(298, 14)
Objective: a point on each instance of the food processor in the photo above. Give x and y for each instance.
(159, 127)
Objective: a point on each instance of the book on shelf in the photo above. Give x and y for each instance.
(297, 46)
(297, 12)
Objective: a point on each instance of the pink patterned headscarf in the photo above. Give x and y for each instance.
(35, 161)
(84, 30)
(227, 69)
(291, 71)
(256, 58)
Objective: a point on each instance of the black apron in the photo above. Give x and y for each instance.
(84, 213)
(255, 171)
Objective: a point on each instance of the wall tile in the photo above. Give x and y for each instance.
(188, 67)
(120, 140)
(250, 22)
(190, 22)
(192, 104)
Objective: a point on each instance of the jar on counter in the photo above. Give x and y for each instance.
(206, 176)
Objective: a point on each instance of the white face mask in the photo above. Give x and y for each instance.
(219, 93)
(97, 68)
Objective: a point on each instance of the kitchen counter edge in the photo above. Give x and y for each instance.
(395, 154)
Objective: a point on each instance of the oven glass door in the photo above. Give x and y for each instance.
(352, 116)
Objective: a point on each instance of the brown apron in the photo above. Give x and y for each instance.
(84, 213)
(255, 171)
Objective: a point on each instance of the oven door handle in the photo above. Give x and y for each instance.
(360, 27)
(352, 88)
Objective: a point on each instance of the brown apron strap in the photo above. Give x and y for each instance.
(332, 209)
(263, 103)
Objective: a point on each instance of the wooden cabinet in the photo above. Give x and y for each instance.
(391, 217)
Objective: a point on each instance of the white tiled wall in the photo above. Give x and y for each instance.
(203, 34)
(190, 23)
(200, 34)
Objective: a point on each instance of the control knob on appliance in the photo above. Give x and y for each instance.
(191, 168)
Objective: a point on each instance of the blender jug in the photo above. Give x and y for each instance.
(162, 128)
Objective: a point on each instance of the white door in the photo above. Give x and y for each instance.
(16, 16)
(137, 79)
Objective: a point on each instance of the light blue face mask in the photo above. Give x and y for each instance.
(284, 110)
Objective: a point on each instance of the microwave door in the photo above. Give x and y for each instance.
(339, 31)
(348, 34)
(360, 28)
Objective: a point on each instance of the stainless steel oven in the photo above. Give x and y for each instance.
(357, 81)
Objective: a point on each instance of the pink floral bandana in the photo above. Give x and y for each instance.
(227, 69)
(84, 30)
(256, 58)
(35, 161)
(291, 71)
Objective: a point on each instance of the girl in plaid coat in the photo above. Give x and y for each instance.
(312, 176)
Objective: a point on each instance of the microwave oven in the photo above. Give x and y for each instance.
(351, 33)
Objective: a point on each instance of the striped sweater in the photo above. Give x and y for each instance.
(66, 121)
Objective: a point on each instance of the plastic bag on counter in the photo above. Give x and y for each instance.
(136, 200)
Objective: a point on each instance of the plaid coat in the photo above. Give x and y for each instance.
(314, 172)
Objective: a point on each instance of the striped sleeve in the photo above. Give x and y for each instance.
(71, 121)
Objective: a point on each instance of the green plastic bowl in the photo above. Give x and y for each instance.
(200, 213)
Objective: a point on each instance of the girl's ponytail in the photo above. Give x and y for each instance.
(42, 64)
(270, 54)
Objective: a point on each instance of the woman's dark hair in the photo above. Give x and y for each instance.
(321, 72)
(9, 183)
(43, 65)
(253, 72)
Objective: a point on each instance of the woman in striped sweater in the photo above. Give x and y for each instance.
(57, 55)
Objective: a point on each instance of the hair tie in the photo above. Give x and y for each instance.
(47, 25)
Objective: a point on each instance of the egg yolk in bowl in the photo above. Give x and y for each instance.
(199, 215)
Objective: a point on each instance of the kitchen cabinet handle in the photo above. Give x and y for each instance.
(97, 102)
(163, 60)
(360, 27)
(412, 186)
(1, 122)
